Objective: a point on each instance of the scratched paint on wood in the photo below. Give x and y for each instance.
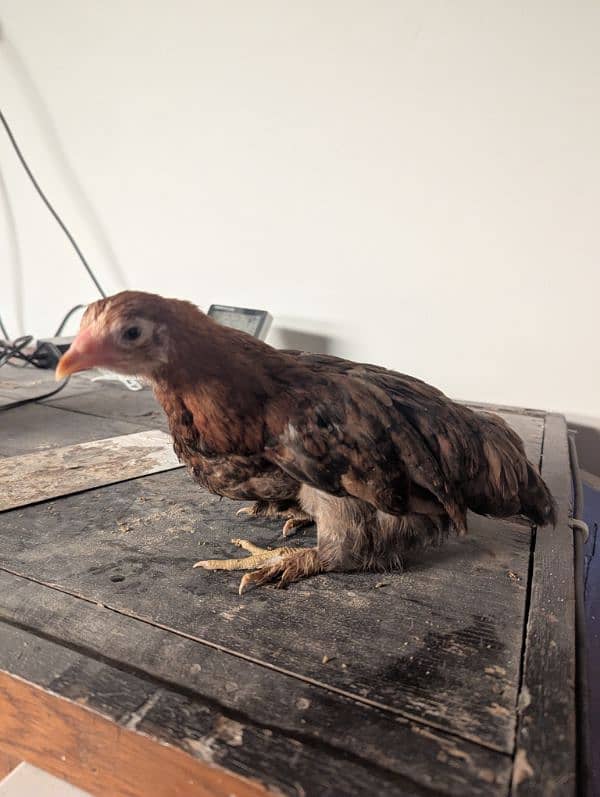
(55, 472)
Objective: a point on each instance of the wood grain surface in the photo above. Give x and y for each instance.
(546, 753)
(54, 472)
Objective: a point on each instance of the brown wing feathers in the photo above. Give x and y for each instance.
(398, 444)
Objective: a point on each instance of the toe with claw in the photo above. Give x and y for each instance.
(258, 557)
(283, 565)
(289, 567)
(296, 521)
(295, 517)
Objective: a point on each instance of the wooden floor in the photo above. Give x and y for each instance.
(128, 672)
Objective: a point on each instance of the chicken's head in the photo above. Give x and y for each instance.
(127, 333)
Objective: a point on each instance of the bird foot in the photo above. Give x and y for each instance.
(289, 567)
(295, 521)
(258, 557)
(252, 509)
(295, 518)
(269, 509)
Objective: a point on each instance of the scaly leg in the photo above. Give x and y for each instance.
(296, 563)
(258, 557)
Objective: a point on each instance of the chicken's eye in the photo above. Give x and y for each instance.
(132, 333)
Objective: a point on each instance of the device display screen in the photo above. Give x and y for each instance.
(242, 321)
(254, 322)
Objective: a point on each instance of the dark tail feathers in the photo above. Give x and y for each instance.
(508, 484)
(537, 502)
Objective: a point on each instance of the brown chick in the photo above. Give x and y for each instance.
(383, 462)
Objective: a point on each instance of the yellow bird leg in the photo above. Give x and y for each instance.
(259, 557)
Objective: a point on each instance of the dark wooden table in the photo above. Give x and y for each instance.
(127, 672)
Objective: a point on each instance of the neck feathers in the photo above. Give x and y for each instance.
(221, 377)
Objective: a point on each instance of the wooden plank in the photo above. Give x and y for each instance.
(7, 764)
(290, 769)
(54, 472)
(19, 383)
(116, 402)
(5, 400)
(226, 710)
(69, 672)
(442, 644)
(34, 427)
(545, 760)
(79, 745)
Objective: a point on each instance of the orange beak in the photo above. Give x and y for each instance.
(85, 352)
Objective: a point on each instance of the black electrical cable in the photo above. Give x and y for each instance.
(46, 202)
(14, 350)
(3, 329)
(22, 342)
(29, 399)
(62, 324)
(13, 353)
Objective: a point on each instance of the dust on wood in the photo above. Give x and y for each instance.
(31, 478)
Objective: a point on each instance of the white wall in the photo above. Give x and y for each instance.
(417, 181)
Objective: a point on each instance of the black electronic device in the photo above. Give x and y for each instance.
(50, 350)
(255, 322)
